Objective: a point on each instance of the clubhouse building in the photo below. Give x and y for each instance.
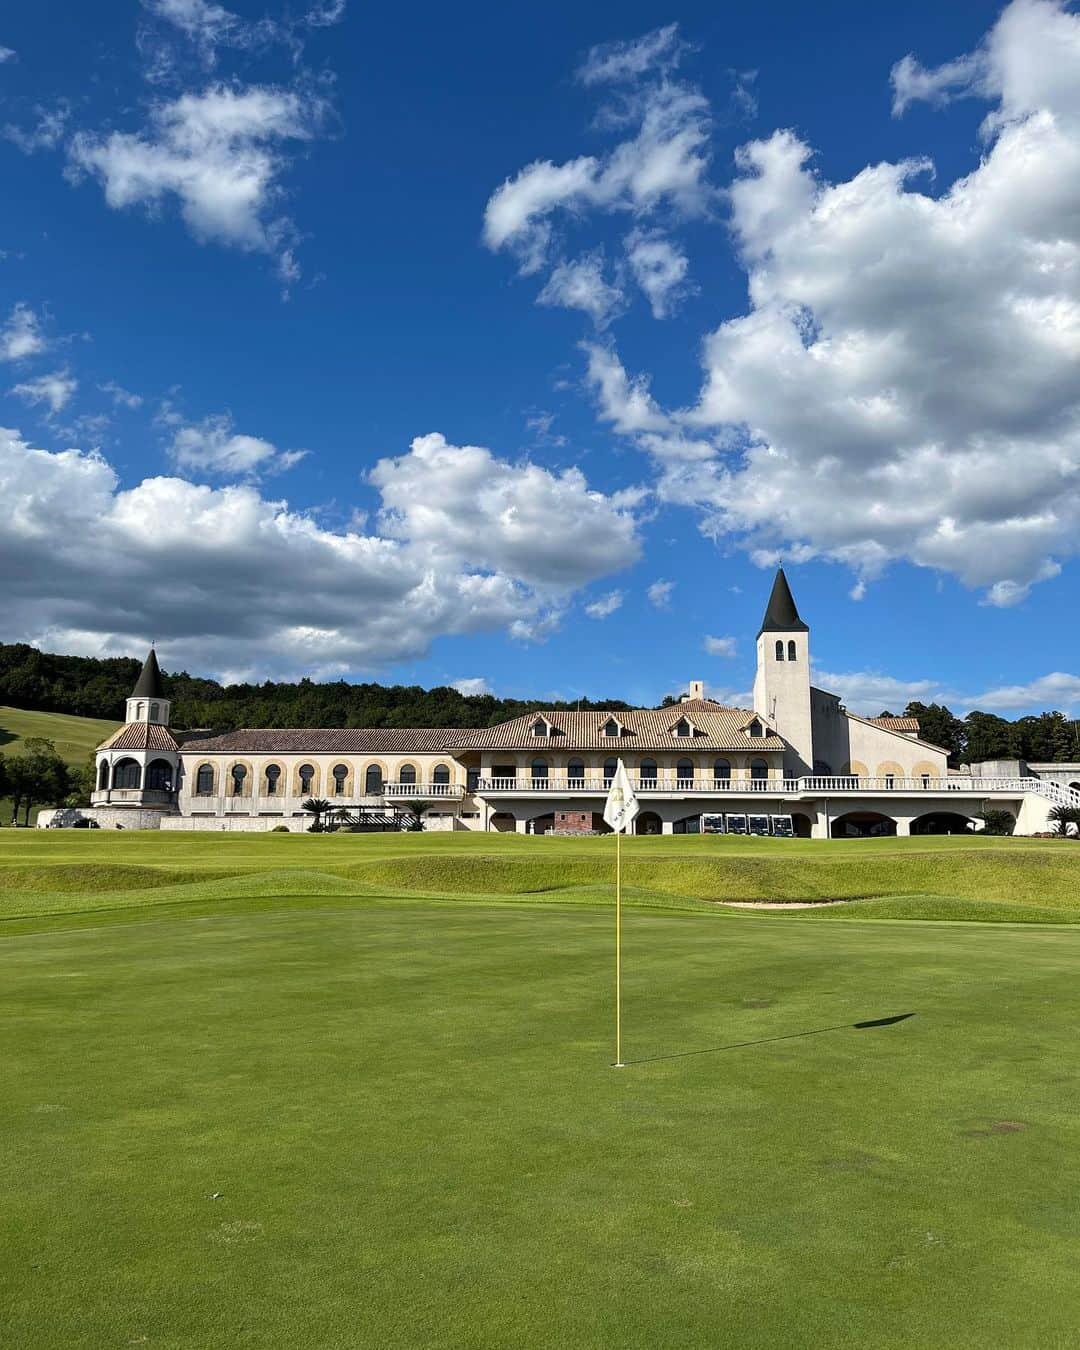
(796, 762)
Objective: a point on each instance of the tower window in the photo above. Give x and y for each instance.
(791, 650)
(103, 775)
(126, 774)
(780, 650)
(159, 775)
(155, 712)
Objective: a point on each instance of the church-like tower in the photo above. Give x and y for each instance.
(139, 765)
(782, 681)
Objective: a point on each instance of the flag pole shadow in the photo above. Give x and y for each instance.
(767, 1040)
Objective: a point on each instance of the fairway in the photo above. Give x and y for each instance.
(255, 1095)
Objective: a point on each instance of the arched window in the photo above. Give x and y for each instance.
(125, 774)
(441, 774)
(791, 650)
(539, 769)
(159, 775)
(759, 768)
(684, 771)
(575, 773)
(340, 773)
(648, 771)
(140, 711)
(822, 768)
(155, 712)
(407, 774)
(239, 775)
(204, 781)
(273, 777)
(307, 777)
(779, 649)
(721, 771)
(373, 780)
(610, 765)
(103, 775)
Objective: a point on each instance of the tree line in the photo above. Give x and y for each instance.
(37, 776)
(97, 687)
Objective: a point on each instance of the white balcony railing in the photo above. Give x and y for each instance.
(817, 785)
(423, 790)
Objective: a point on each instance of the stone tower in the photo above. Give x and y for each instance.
(138, 767)
(782, 681)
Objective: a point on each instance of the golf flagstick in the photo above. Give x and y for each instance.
(619, 811)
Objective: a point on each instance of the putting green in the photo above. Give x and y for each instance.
(354, 1118)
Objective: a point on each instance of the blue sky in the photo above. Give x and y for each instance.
(515, 345)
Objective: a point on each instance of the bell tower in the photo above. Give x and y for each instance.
(782, 681)
(147, 702)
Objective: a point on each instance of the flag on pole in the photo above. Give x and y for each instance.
(619, 811)
(621, 806)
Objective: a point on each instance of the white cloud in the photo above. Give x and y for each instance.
(233, 581)
(123, 398)
(472, 687)
(218, 153)
(1057, 691)
(213, 447)
(580, 285)
(605, 606)
(721, 646)
(615, 62)
(904, 383)
(663, 164)
(45, 134)
(21, 336)
(7, 54)
(869, 692)
(54, 389)
(660, 268)
(659, 594)
(325, 13)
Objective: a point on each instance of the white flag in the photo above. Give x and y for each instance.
(621, 806)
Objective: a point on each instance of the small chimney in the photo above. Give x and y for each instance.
(697, 690)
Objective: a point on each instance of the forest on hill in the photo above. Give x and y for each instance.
(97, 687)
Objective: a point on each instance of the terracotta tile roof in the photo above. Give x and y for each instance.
(895, 723)
(715, 728)
(324, 740)
(141, 736)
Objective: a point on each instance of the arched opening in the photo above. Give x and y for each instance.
(441, 775)
(503, 822)
(684, 772)
(779, 649)
(340, 774)
(273, 779)
(575, 773)
(721, 773)
(103, 775)
(373, 780)
(155, 712)
(822, 769)
(647, 773)
(610, 765)
(239, 778)
(307, 777)
(407, 775)
(759, 769)
(204, 781)
(942, 822)
(802, 825)
(863, 825)
(159, 776)
(126, 774)
(791, 650)
(539, 771)
(1075, 787)
(648, 822)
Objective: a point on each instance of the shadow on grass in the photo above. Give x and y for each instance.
(788, 1036)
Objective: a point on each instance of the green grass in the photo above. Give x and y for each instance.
(75, 738)
(332, 1092)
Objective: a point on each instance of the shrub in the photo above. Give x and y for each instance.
(997, 821)
(281, 829)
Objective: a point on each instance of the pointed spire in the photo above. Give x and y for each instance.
(781, 616)
(149, 685)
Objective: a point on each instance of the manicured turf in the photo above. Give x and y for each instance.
(258, 1096)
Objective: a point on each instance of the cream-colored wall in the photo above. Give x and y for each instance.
(874, 752)
(323, 784)
(666, 762)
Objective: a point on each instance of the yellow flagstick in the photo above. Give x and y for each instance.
(618, 951)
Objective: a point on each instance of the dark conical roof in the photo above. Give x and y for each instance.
(149, 685)
(781, 616)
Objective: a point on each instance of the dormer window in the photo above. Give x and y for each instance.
(541, 728)
(611, 728)
(755, 729)
(682, 728)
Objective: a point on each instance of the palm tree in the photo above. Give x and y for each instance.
(1062, 817)
(317, 807)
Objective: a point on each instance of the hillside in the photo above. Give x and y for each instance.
(74, 737)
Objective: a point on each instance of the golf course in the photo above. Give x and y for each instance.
(356, 1091)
